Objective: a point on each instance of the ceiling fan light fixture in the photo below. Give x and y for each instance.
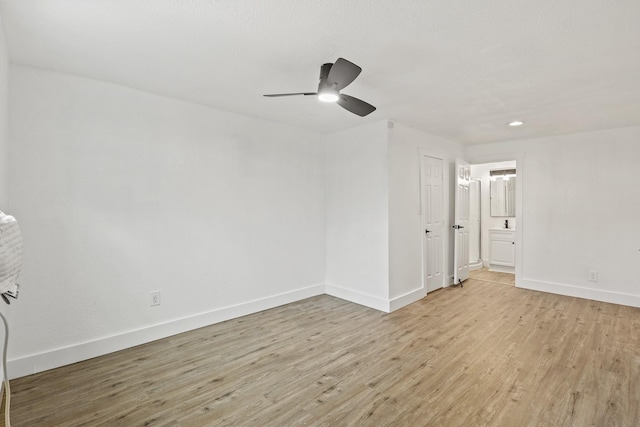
(328, 94)
(333, 78)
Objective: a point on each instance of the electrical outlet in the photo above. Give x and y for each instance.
(155, 298)
(593, 276)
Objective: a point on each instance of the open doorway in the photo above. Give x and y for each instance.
(494, 221)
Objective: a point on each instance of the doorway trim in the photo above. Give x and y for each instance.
(520, 223)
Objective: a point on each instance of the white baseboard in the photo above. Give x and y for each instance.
(375, 302)
(407, 299)
(67, 355)
(581, 292)
(358, 298)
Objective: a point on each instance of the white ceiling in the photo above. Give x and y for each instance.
(460, 69)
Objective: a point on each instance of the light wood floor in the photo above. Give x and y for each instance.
(493, 276)
(482, 355)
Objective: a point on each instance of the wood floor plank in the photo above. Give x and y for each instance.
(493, 276)
(482, 355)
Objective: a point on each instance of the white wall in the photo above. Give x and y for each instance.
(4, 146)
(357, 215)
(4, 122)
(580, 205)
(406, 233)
(121, 192)
(481, 171)
(374, 232)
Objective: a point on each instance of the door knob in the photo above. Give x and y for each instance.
(457, 227)
(427, 231)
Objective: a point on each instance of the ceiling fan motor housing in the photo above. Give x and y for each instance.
(324, 75)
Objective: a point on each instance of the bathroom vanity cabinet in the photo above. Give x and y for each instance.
(502, 249)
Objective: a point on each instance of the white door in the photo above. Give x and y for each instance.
(432, 221)
(461, 225)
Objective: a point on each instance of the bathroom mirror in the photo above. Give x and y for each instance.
(503, 192)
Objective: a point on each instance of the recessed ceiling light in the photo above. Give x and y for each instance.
(516, 123)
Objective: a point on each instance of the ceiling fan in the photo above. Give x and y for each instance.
(334, 78)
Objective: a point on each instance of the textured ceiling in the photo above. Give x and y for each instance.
(460, 69)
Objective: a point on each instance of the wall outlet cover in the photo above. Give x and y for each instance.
(155, 298)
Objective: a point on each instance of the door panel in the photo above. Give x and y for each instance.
(431, 175)
(461, 226)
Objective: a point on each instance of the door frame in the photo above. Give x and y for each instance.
(445, 219)
(519, 157)
(478, 182)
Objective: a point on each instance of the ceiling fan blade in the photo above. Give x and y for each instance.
(355, 105)
(272, 95)
(342, 73)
